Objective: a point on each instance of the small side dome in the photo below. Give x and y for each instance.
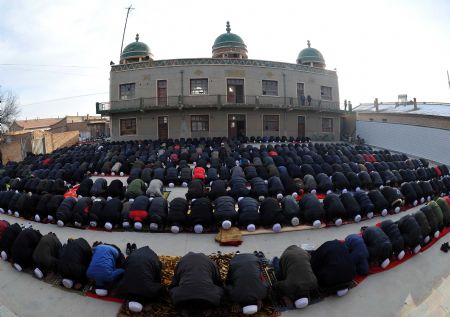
(311, 57)
(135, 52)
(229, 45)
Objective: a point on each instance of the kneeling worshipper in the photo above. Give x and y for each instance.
(379, 246)
(23, 247)
(46, 254)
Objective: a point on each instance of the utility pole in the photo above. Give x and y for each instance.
(125, 27)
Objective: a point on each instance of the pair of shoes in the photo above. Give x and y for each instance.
(96, 243)
(445, 247)
(128, 249)
(133, 247)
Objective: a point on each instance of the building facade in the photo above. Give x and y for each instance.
(226, 95)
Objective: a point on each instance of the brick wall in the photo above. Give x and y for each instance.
(11, 152)
(55, 141)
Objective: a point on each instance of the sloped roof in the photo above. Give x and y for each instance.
(429, 109)
(37, 123)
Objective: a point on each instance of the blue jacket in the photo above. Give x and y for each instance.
(103, 266)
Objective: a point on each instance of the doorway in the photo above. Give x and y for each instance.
(235, 91)
(301, 126)
(163, 127)
(236, 126)
(162, 92)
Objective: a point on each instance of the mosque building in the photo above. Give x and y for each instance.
(225, 95)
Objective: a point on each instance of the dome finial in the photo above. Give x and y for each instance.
(228, 27)
(309, 43)
(137, 37)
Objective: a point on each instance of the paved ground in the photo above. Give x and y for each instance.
(419, 287)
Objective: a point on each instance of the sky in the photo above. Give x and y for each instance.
(55, 55)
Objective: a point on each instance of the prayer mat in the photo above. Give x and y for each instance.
(230, 237)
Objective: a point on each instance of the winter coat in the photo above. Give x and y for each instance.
(201, 212)
(366, 205)
(409, 193)
(425, 227)
(445, 208)
(59, 187)
(324, 183)
(271, 212)
(391, 229)
(96, 211)
(29, 206)
(104, 267)
(432, 219)
(155, 189)
(333, 266)
(116, 167)
(379, 202)
(275, 186)
(218, 188)
(377, 181)
(186, 174)
(64, 213)
(3, 226)
(411, 231)
(171, 176)
(23, 247)
(378, 244)
(46, 253)
(238, 187)
(53, 205)
(81, 211)
(243, 284)
(8, 238)
(248, 213)
(310, 182)
(353, 210)
(250, 172)
(353, 180)
(142, 278)
(158, 173)
(111, 212)
(116, 189)
(178, 209)
(339, 180)
(196, 189)
(41, 208)
(99, 188)
(139, 209)
(393, 196)
(196, 282)
(158, 211)
(290, 186)
(365, 180)
(225, 209)
(427, 189)
(334, 209)
(74, 259)
(358, 252)
(439, 215)
(13, 202)
(297, 277)
(258, 188)
(136, 188)
(290, 209)
(311, 209)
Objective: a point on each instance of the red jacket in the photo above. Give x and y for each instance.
(199, 173)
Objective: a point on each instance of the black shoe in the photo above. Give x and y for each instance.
(445, 247)
(133, 247)
(128, 249)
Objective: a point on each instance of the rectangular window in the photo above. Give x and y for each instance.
(301, 94)
(126, 91)
(199, 123)
(327, 124)
(271, 123)
(325, 93)
(128, 126)
(270, 88)
(199, 86)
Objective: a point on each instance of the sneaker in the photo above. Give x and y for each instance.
(445, 247)
(133, 247)
(128, 249)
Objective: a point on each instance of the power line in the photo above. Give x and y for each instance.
(47, 65)
(64, 98)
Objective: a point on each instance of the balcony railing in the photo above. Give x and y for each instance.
(214, 101)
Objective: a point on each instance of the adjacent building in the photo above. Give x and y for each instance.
(225, 95)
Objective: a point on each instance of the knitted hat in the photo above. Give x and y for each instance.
(184, 184)
(301, 302)
(357, 218)
(60, 223)
(338, 222)
(250, 309)
(108, 226)
(135, 307)
(276, 227)
(138, 226)
(67, 283)
(384, 212)
(50, 218)
(198, 228)
(251, 227)
(317, 224)
(226, 224)
(295, 221)
(154, 226)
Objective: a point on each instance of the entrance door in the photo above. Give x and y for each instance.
(162, 92)
(236, 126)
(163, 127)
(301, 126)
(235, 90)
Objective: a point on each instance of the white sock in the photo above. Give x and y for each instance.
(135, 307)
(338, 222)
(226, 224)
(301, 303)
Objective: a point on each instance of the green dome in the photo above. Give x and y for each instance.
(136, 49)
(229, 40)
(310, 55)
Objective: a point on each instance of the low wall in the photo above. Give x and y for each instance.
(429, 143)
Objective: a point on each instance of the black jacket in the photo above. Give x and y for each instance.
(74, 259)
(196, 283)
(158, 211)
(411, 231)
(8, 238)
(99, 188)
(339, 180)
(351, 205)
(178, 209)
(324, 183)
(46, 253)
(271, 212)
(23, 247)
(238, 187)
(275, 186)
(244, 284)
(201, 212)
(333, 265)
(218, 188)
(248, 212)
(81, 211)
(409, 193)
(196, 189)
(378, 244)
(379, 202)
(311, 208)
(334, 209)
(395, 236)
(142, 278)
(85, 187)
(64, 212)
(258, 187)
(225, 209)
(116, 189)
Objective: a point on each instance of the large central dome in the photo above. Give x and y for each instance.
(229, 45)
(135, 52)
(311, 57)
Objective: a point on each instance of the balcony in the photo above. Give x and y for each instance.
(216, 102)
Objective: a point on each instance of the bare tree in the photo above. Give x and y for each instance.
(9, 109)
